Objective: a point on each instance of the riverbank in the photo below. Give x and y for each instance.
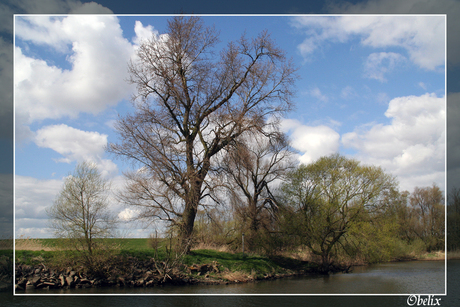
(204, 267)
(199, 267)
(134, 266)
(428, 256)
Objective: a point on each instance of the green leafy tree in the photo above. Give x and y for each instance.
(328, 198)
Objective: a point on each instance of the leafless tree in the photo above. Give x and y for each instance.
(190, 104)
(428, 218)
(255, 166)
(80, 212)
(453, 220)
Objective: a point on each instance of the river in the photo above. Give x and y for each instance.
(393, 282)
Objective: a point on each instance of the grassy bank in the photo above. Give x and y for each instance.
(243, 267)
(199, 266)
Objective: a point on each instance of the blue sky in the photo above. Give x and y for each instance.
(371, 87)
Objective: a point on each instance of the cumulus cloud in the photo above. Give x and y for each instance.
(450, 7)
(312, 142)
(412, 146)
(423, 37)
(143, 33)
(32, 197)
(128, 214)
(98, 55)
(76, 145)
(10, 7)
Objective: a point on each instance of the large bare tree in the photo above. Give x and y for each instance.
(190, 104)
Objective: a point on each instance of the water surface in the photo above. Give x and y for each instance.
(413, 275)
(416, 277)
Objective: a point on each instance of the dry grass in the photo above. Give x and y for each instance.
(451, 255)
(302, 254)
(27, 243)
(6, 244)
(438, 255)
(238, 276)
(219, 248)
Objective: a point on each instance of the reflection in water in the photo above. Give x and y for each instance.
(202, 301)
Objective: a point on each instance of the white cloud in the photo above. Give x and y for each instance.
(312, 141)
(423, 37)
(99, 55)
(316, 92)
(143, 33)
(451, 7)
(7, 9)
(10, 7)
(380, 63)
(412, 147)
(33, 196)
(422, 85)
(128, 214)
(76, 145)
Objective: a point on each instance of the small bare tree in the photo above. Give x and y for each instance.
(428, 218)
(80, 212)
(255, 166)
(190, 104)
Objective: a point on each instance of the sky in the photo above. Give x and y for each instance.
(370, 87)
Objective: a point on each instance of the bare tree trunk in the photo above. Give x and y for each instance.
(186, 228)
